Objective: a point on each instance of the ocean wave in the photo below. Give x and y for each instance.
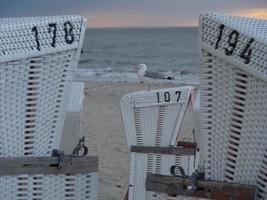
(118, 75)
(86, 60)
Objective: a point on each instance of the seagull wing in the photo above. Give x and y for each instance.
(154, 75)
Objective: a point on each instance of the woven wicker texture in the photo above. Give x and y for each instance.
(75, 102)
(154, 119)
(233, 100)
(251, 33)
(28, 37)
(71, 131)
(67, 187)
(35, 71)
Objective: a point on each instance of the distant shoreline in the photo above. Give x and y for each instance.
(142, 27)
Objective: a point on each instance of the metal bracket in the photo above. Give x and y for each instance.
(194, 178)
(60, 155)
(181, 171)
(80, 146)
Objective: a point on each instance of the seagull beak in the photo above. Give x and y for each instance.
(136, 68)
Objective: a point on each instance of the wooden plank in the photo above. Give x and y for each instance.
(190, 145)
(206, 189)
(163, 150)
(48, 165)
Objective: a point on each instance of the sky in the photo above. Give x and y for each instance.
(134, 13)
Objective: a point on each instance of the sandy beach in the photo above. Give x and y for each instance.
(105, 137)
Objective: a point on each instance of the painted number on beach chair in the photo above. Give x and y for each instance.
(69, 35)
(167, 96)
(232, 41)
(35, 31)
(52, 29)
(232, 44)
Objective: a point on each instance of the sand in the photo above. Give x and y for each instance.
(105, 137)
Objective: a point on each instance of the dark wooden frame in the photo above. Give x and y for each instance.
(163, 150)
(48, 165)
(174, 186)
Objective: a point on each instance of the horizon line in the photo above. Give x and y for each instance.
(117, 27)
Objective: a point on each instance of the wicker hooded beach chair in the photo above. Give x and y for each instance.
(233, 145)
(38, 57)
(153, 119)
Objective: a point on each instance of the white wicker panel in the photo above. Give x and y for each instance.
(197, 125)
(34, 82)
(233, 100)
(76, 97)
(56, 187)
(71, 131)
(262, 178)
(149, 122)
(35, 36)
(247, 29)
(153, 119)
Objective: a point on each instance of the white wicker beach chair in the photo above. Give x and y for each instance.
(154, 119)
(233, 99)
(37, 59)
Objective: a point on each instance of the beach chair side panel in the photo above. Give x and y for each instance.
(76, 97)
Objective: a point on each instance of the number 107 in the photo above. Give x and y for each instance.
(167, 96)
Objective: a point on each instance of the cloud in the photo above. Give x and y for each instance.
(133, 12)
(260, 13)
(133, 18)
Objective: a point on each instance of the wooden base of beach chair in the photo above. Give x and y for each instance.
(187, 145)
(59, 177)
(174, 186)
(48, 165)
(178, 150)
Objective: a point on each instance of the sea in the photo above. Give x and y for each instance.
(110, 54)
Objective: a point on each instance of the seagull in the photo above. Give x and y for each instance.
(148, 76)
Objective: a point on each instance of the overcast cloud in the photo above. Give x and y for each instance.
(131, 12)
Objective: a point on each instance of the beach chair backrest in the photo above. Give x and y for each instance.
(153, 119)
(233, 99)
(38, 56)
